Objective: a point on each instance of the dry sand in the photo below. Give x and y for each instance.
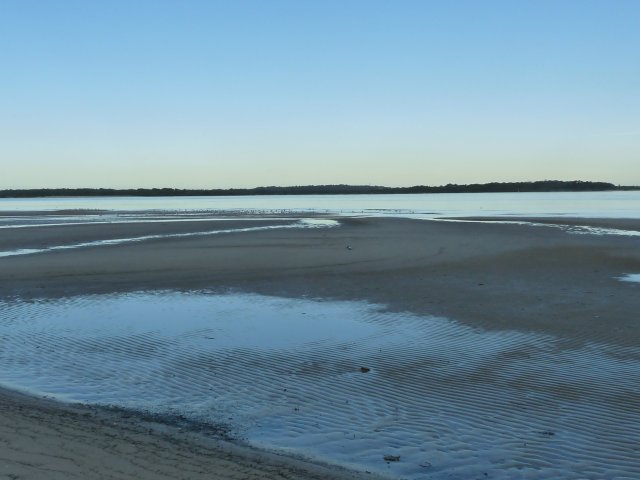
(493, 276)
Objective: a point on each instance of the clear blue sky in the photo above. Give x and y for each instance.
(245, 93)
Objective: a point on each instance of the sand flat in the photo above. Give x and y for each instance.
(493, 277)
(486, 275)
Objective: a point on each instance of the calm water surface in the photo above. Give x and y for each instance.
(581, 204)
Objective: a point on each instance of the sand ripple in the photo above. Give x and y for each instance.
(343, 381)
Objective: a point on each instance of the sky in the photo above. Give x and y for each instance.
(239, 93)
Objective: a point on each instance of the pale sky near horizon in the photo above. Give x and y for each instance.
(219, 94)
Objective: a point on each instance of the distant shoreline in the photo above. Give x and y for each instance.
(493, 187)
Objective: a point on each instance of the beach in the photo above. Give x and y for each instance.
(46, 439)
(320, 240)
(539, 280)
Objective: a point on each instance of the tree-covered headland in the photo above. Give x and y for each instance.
(493, 187)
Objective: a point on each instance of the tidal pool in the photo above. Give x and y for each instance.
(345, 382)
(630, 277)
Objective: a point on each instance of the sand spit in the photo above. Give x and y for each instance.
(501, 278)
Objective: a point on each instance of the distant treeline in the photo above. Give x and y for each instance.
(540, 186)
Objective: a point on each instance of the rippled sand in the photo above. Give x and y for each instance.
(342, 381)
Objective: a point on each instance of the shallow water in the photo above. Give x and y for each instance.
(571, 204)
(302, 223)
(573, 229)
(451, 401)
(630, 277)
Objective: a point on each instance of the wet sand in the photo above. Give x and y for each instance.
(498, 276)
(42, 439)
(489, 276)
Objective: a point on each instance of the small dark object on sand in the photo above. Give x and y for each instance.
(365, 369)
(392, 458)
